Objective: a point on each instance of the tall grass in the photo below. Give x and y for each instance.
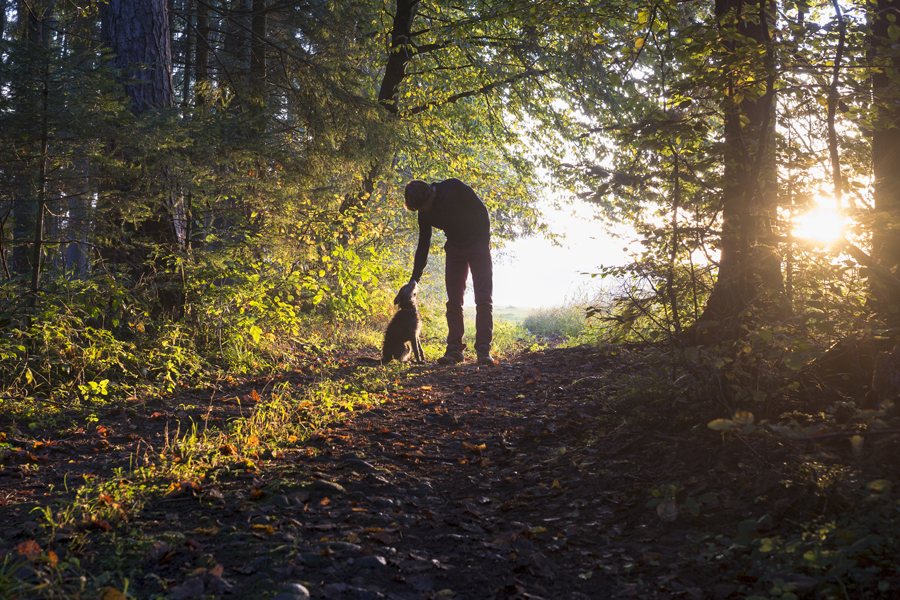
(568, 323)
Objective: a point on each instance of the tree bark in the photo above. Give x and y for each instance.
(29, 18)
(746, 268)
(202, 60)
(190, 40)
(137, 32)
(258, 60)
(399, 56)
(885, 155)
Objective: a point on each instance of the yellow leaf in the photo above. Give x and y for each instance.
(856, 442)
(112, 593)
(742, 417)
(266, 528)
(721, 425)
(638, 43)
(555, 485)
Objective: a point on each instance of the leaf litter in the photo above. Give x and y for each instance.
(534, 478)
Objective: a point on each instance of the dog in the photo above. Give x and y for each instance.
(401, 338)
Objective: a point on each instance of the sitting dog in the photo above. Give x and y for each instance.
(401, 338)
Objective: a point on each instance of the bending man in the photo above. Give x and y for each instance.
(454, 208)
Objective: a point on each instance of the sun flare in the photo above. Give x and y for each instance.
(823, 224)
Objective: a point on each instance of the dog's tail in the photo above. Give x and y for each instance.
(368, 360)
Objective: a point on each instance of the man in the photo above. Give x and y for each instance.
(454, 208)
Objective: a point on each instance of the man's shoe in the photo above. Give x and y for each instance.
(452, 356)
(484, 355)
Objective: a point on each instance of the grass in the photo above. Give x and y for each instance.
(566, 321)
(567, 324)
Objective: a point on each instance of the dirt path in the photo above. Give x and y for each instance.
(514, 481)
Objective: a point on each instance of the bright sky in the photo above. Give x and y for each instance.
(534, 273)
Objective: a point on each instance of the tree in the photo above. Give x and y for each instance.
(749, 177)
(885, 62)
(137, 33)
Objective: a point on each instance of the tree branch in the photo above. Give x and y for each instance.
(480, 91)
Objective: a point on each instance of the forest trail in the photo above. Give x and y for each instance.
(515, 481)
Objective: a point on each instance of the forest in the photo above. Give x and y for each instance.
(202, 229)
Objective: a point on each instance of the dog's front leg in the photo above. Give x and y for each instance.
(417, 348)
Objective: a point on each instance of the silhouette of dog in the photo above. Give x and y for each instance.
(401, 338)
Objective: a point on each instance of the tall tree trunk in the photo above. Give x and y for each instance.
(37, 244)
(202, 60)
(886, 154)
(749, 176)
(258, 60)
(400, 54)
(190, 40)
(78, 224)
(29, 18)
(137, 32)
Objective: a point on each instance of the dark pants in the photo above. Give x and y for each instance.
(476, 257)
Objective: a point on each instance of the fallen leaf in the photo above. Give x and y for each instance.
(227, 450)
(244, 569)
(29, 549)
(112, 593)
(382, 537)
(266, 528)
(667, 511)
(212, 530)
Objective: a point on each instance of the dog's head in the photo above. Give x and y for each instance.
(408, 295)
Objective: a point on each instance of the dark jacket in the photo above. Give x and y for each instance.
(459, 213)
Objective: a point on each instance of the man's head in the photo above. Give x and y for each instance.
(418, 195)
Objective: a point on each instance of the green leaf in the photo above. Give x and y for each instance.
(792, 361)
(893, 32)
